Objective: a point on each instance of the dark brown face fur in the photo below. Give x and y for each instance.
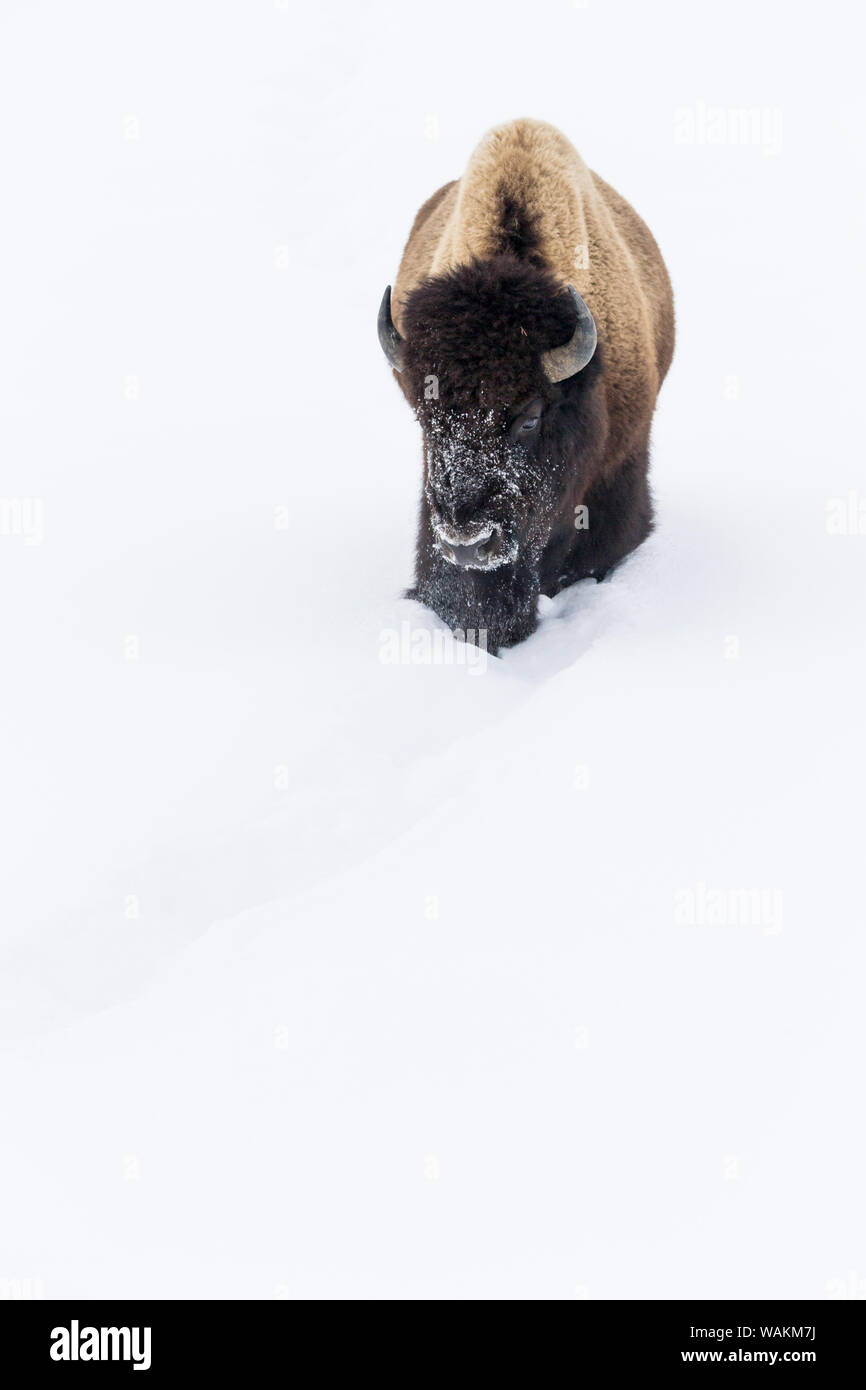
(472, 372)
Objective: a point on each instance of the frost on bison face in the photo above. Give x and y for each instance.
(535, 411)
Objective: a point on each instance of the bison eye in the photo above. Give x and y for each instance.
(527, 420)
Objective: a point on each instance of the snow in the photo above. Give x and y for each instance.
(327, 974)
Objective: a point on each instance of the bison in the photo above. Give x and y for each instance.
(530, 327)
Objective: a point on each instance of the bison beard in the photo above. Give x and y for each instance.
(533, 401)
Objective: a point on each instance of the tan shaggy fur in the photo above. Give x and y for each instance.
(588, 237)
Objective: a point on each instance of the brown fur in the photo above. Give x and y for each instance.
(584, 233)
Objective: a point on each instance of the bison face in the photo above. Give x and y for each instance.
(487, 358)
(485, 482)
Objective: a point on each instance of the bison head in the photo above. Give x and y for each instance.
(487, 358)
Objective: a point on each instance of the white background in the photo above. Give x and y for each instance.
(324, 977)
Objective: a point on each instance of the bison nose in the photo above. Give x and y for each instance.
(475, 552)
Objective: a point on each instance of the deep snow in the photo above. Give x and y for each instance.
(326, 974)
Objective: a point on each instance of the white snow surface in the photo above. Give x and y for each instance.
(329, 976)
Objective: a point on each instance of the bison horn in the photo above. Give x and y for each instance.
(563, 362)
(389, 339)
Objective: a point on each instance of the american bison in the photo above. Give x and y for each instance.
(530, 328)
